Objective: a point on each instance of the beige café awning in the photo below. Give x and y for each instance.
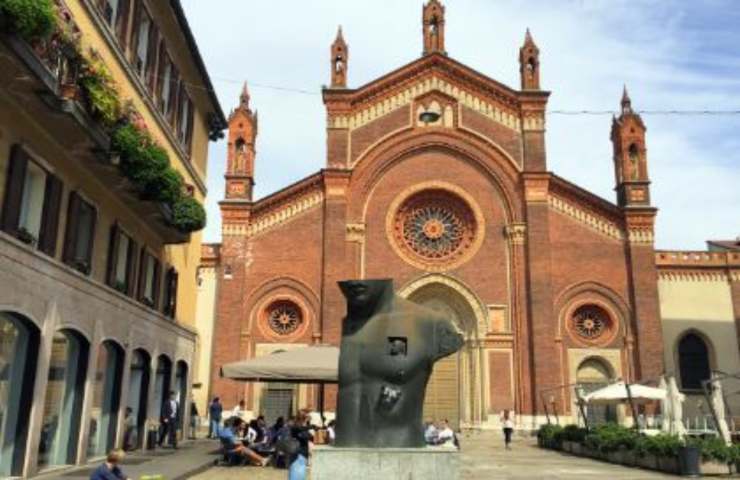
(618, 393)
(301, 365)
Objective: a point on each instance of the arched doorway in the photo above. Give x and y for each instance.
(181, 393)
(19, 345)
(138, 392)
(594, 373)
(106, 395)
(161, 385)
(65, 390)
(453, 390)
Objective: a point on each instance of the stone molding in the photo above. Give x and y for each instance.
(595, 222)
(284, 213)
(383, 107)
(516, 233)
(481, 312)
(356, 232)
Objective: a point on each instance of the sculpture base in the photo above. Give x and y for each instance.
(430, 463)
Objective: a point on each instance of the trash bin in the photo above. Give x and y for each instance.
(688, 460)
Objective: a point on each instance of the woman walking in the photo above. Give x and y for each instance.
(507, 421)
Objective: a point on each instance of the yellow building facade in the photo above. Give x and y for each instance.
(97, 265)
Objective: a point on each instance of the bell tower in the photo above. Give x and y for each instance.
(241, 153)
(630, 157)
(529, 63)
(339, 58)
(433, 27)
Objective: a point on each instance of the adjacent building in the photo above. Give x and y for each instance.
(98, 274)
(437, 176)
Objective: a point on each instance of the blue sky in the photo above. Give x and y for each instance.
(673, 55)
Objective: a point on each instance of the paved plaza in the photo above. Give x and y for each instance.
(484, 458)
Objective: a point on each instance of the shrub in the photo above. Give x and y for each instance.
(550, 436)
(610, 438)
(574, 433)
(660, 445)
(715, 449)
(188, 215)
(29, 18)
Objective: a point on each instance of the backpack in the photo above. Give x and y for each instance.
(287, 445)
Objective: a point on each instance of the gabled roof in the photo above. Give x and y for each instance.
(460, 73)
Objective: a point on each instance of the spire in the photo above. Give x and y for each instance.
(339, 58)
(626, 102)
(244, 97)
(528, 38)
(433, 27)
(529, 63)
(630, 156)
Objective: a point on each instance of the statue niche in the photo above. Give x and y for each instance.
(388, 348)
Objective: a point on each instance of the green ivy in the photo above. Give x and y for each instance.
(31, 19)
(715, 449)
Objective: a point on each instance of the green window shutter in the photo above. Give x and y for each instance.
(50, 215)
(110, 272)
(14, 189)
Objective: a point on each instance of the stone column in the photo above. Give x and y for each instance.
(519, 318)
(88, 392)
(36, 417)
(544, 353)
(125, 381)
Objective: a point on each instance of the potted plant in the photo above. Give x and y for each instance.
(25, 236)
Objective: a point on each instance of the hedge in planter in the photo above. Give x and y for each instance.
(31, 19)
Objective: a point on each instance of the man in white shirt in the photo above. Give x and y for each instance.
(239, 410)
(445, 435)
(430, 434)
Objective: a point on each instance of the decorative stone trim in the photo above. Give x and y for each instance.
(271, 218)
(516, 233)
(595, 222)
(476, 305)
(416, 260)
(356, 232)
(641, 237)
(407, 96)
(686, 275)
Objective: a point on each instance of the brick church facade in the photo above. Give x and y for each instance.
(437, 177)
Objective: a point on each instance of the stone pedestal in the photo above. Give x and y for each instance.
(430, 463)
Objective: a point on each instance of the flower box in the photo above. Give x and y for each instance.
(669, 465)
(648, 461)
(713, 467)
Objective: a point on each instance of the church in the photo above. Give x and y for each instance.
(437, 176)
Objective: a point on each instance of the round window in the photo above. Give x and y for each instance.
(284, 317)
(591, 322)
(434, 227)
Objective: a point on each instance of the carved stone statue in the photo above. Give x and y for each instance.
(389, 346)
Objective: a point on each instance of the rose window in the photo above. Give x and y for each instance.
(591, 322)
(284, 317)
(436, 225)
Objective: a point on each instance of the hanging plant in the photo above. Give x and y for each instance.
(188, 215)
(99, 90)
(31, 19)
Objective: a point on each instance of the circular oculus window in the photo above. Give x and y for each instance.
(591, 323)
(434, 227)
(284, 317)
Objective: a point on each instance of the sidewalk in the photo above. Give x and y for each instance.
(189, 459)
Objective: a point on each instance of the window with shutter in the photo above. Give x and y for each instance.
(149, 274)
(170, 299)
(143, 33)
(122, 22)
(119, 260)
(80, 235)
(31, 205)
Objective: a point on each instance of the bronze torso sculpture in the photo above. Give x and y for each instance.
(389, 346)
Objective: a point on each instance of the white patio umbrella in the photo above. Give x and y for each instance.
(676, 401)
(718, 406)
(617, 393)
(666, 406)
(319, 364)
